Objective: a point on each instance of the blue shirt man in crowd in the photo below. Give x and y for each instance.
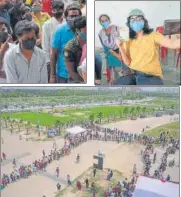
(63, 34)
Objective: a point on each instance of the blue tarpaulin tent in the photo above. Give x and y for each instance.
(51, 132)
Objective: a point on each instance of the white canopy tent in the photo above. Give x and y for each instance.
(148, 187)
(76, 130)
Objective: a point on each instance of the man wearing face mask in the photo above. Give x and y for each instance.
(73, 49)
(25, 63)
(61, 37)
(50, 26)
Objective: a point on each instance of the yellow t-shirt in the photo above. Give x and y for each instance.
(41, 20)
(28, 2)
(144, 54)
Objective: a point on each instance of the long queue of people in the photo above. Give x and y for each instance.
(93, 132)
(24, 171)
(148, 162)
(41, 47)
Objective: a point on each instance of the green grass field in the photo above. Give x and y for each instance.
(165, 102)
(172, 127)
(47, 119)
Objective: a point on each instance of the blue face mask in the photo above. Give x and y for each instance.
(82, 35)
(137, 25)
(105, 24)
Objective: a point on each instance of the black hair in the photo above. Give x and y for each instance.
(57, 4)
(72, 7)
(82, 2)
(24, 26)
(105, 15)
(146, 28)
(80, 22)
(5, 22)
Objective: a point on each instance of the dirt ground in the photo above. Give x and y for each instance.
(136, 126)
(121, 157)
(78, 113)
(60, 114)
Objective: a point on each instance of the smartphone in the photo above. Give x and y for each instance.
(171, 27)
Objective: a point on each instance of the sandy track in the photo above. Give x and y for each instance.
(136, 126)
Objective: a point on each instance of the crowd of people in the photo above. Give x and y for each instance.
(39, 165)
(123, 188)
(42, 41)
(134, 60)
(148, 162)
(95, 132)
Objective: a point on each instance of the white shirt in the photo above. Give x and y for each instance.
(19, 70)
(48, 29)
(11, 45)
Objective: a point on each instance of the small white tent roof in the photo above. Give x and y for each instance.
(76, 130)
(148, 187)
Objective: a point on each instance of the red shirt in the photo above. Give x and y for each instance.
(46, 6)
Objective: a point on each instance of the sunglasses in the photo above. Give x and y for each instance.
(138, 18)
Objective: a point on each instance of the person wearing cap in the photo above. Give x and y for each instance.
(62, 36)
(141, 52)
(25, 63)
(50, 26)
(73, 49)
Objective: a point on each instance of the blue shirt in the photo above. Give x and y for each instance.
(61, 37)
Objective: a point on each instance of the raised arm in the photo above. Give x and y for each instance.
(169, 43)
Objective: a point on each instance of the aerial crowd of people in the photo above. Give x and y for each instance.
(42, 41)
(95, 132)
